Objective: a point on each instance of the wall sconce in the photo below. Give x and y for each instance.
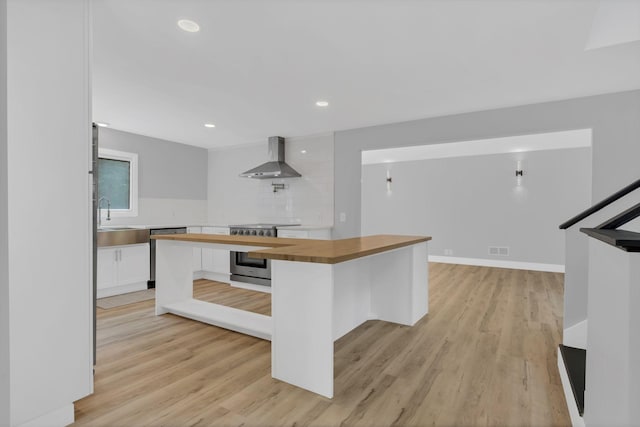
(389, 181)
(519, 172)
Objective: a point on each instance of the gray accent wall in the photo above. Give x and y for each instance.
(4, 225)
(166, 169)
(614, 118)
(470, 203)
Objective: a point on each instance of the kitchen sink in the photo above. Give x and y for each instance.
(117, 236)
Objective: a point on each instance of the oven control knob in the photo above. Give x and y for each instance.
(261, 233)
(234, 231)
(267, 233)
(244, 232)
(253, 232)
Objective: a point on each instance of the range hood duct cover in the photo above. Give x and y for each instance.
(275, 167)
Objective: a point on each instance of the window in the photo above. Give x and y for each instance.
(118, 182)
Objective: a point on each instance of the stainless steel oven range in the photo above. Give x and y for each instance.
(256, 271)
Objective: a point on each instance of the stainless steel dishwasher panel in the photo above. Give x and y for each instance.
(152, 245)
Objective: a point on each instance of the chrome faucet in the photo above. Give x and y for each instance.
(100, 210)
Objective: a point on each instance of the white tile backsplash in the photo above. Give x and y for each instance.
(165, 212)
(307, 200)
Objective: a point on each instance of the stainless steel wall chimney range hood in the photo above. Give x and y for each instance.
(275, 167)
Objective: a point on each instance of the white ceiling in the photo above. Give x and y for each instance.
(256, 68)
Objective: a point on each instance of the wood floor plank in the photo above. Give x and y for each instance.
(485, 355)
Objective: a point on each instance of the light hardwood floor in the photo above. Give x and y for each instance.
(484, 355)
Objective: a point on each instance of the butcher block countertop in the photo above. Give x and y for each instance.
(306, 250)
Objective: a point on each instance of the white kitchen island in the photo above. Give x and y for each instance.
(320, 291)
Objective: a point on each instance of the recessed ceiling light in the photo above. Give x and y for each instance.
(188, 26)
(209, 125)
(322, 103)
(303, 151)
(102, 124)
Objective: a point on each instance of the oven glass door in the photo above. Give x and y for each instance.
(243, 265)
(243, 260)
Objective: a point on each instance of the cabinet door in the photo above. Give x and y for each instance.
(133, 264)
(215, 230)
(207, 259)
(215, 260)
(107, 266)
(197, 259)
(221, 262)
(197, 252)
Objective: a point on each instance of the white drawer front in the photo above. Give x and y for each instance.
(293, 234)
(216, 230)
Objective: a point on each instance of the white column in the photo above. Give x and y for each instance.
(315, 304)
(49, 210)
(302, 313)
(612, 393)
(351, 295)
(399, 285)
(174, 273)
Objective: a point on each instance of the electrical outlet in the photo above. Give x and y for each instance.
(448, 251)
(343, 217)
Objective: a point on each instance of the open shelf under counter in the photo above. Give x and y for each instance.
(246, 322)
(321, 290)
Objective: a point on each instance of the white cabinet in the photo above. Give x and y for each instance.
(107, 268)
(215, 262)
(122, 269)
(133, 264)
(306, 233)
(197, 254)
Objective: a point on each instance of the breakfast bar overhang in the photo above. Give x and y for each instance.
(321, 290)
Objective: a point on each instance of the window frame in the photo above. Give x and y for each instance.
(132, 158)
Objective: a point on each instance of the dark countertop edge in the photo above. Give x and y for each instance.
(628, 241)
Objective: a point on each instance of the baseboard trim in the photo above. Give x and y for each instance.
(516, 265)
(123, 289)
(57, 418)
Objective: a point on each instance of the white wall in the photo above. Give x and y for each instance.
(49, 134)
(469, 203)
(4, 248)
(612, 117)
(172, 179)
(307, 200)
